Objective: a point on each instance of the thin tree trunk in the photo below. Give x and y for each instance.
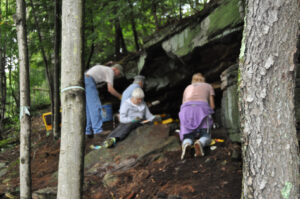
(25, 123)
(90, 55)
(2, 74)
(191, 2)
(133, 26)
(83, 2)
(92, 48)
(70, 174)
(267, 71)
(46, 62)
(180, 9)
(117, 40)
(124, 48)
(154, 7)
(56, 104)
(4, 85)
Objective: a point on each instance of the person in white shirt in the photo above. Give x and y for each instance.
(133, 113)
(94, 75)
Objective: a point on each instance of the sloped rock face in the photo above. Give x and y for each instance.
(144, 142)
(229, 108)
(208, 42)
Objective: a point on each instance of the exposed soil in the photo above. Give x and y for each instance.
(215, 176)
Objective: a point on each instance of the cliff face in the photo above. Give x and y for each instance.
(208, 42)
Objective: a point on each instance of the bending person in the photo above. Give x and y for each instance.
(94, 75)
(133, 113)
(195, 115)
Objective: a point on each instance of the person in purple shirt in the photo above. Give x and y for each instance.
(195, 115)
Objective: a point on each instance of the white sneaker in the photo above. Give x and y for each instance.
(198, 149)
(186, 149)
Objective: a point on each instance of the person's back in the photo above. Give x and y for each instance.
(199, 91)
(101, 73)
(197, 106)
(137, 83)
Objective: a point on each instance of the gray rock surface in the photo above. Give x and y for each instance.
(46, 193)
(229, 110)
(146, 142)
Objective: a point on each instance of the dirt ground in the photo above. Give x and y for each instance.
(215, 176)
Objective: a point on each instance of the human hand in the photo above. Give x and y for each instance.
(157, 118)
(136, 120)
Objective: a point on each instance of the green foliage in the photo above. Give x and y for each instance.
(99, 30)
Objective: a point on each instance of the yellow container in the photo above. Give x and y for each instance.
(167, 121)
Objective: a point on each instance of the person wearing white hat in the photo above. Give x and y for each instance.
(138, 82)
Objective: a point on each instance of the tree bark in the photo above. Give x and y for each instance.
(117, 40)
(92, 48)
(154, 6)
(123, 44)
(267, 73)
(56, 101)
(25, 123)
(133, 26)
(70, 174)
(180, 9)
(46, 62)
(2, 80)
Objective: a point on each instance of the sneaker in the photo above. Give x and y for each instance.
(186, 149)
(110, 142)
(198, 149)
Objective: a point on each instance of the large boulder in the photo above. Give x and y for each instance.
(143, 143)
(208, 42)
(224, 20)
(229, 107)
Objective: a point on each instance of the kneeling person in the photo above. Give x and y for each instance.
(133, 113)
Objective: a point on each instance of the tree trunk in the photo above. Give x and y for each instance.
(154, 6)
(133, 26)
(2, 78)
(124, 48)
(180, 9)
(92, 48)
(267, 71)
(117, 40)
(90, 55)
(70, 174)
(56, 101)
(25, 123)
(46, 62)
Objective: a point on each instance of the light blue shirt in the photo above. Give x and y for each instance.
(130, 112)
(128, 91)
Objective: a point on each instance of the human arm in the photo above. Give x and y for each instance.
(124, 117)
(113, 91)
(212, 102)
(212, 97)
(184, 96)
(148, 114)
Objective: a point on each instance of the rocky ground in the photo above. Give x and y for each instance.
(145, 165)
